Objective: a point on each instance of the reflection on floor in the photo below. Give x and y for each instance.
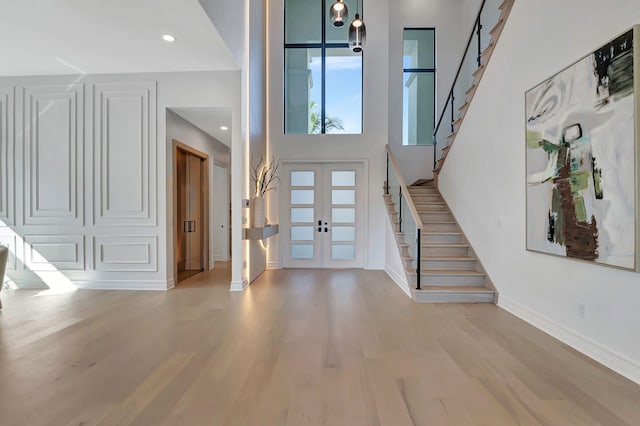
(298, 347)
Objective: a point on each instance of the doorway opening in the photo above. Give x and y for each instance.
(323, 221)
(191, 223)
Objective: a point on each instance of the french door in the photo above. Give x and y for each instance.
(323, 215)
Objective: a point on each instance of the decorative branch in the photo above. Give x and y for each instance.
(264, 175)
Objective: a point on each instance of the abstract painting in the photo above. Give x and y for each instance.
(581, 157)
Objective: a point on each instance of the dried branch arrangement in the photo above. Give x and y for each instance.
(264, 175)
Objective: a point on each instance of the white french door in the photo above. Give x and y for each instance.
(323, 215)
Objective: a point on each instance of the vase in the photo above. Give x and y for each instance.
(258, 212)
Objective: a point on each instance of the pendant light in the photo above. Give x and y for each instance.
(338, 13)
(357, 32)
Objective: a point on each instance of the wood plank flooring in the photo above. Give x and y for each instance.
(343, 348)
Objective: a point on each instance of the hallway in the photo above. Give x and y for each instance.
(299, 347)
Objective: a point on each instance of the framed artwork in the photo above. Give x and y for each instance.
(582, 132)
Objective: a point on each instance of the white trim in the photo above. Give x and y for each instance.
(374, 266)
(274, 265)
(239, 285)
(133, 285)
(171, 284)
(618, 363)
(399, 279)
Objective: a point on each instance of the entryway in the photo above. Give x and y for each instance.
(192, 201)
(323, 216)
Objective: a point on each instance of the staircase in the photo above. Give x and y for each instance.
(483, 60)
(449, 270)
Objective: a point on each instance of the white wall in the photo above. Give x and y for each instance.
(368, 147)
(453, 21)
(242, 25)
(96, 205)
(181, 130)
(484, 181)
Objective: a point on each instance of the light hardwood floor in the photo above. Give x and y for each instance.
(297, 348)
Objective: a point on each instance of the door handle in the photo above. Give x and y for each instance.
(320, 226)
(325, 227)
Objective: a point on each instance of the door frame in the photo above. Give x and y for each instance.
(204, 166)
(365, 203)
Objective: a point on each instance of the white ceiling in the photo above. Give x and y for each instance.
(209, 121)
(107, 36)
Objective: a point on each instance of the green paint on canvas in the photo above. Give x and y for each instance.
(533, 139)
(580, 181)
(581, 210)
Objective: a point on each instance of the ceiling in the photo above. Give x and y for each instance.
(209, 121)
(108, 36)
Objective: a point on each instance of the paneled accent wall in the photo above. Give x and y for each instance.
(53, 155)
(79, 181)
(126, 253)
(125, 161)
(6, 152)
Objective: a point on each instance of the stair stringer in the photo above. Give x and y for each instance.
(479, 266)
(393, 264)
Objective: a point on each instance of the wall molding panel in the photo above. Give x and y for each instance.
(46, 252)
(126, 253)
(7, 120)
(53, 154)
(124, 150)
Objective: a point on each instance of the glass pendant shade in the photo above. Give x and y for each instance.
(357, 35)
(338, 13)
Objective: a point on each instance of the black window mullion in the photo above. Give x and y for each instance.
(323, 67)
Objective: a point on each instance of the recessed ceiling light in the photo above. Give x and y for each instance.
(169, 38)
(224, 128)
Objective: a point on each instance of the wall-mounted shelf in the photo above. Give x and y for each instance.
(259, 233)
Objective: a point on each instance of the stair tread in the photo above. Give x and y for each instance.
(447, 245)
(466, 272)
(448, 258)
(456, 289)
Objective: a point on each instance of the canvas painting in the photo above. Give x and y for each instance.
(581, 134)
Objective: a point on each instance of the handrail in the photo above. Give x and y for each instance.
(412, 207)
(450, 98)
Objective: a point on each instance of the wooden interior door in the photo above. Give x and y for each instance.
(191, 183)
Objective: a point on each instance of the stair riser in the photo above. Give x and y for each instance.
(441, 227)
(434, 198)
(458, 265)
(453, 280)
(446, 239)
(445, 251)
(423, 208)
(436, 217)
(453, 298)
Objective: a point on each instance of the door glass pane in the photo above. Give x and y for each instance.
(302, 196)
(305, 214)
(302, 233)
(343, 196)
(343, 252)
(302, 178)
(342, 215)
(303, 90)
(343, 79)
(343, 233)
(302, 251)
(343, 178)
(303, 21)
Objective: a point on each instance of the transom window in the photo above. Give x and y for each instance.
(419, 93)
(323, 77)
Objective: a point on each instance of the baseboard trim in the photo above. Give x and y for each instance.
(616, 362)
(374, 267)
(171, 284)
(239, 285)
(400, 280)
(274, 265)
(159, 285)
